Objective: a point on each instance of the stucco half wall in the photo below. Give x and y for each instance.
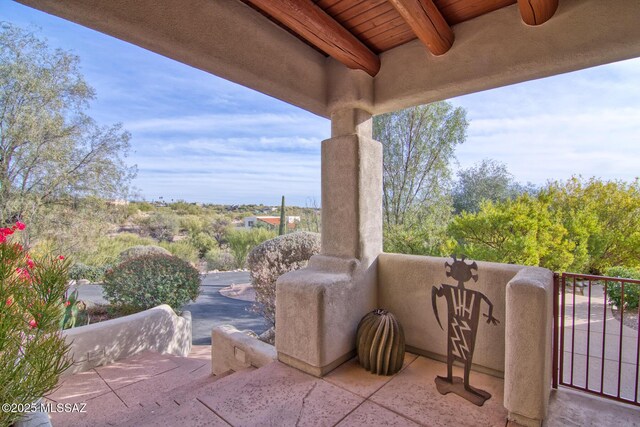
(404, 288)
(159, 329)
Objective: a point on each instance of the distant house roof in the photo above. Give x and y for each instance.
(275, 221)
(269, 220)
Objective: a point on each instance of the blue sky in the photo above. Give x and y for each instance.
(197, 137)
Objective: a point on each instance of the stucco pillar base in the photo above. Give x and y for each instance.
(523, 421)
(319, 308)
(527, 374)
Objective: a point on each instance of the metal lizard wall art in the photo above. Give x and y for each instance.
(463, 318)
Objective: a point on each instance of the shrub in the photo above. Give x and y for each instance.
(193, 224)
(162, 225)
(94, 274)
(108, 249)
(219, 260)
(182, 249)
(33, 352)
(150, 280)
(140, 250)
(242, 241)
(142, 206)
(272, 259)
(631, 291)
(203, 242)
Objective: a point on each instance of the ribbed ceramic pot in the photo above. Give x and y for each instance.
(380, 343)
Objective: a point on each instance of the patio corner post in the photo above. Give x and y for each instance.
(528, 346)
(319, 307)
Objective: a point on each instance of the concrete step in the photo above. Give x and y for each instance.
(178, 405)
(144, 383)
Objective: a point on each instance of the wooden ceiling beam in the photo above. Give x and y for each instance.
(536, 12)
(314, 25)
(427, 22)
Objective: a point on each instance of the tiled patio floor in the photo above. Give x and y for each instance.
(151, 389)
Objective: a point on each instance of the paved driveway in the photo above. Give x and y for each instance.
(212, 309)
(209, 310)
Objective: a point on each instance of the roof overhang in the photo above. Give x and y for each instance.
(231, 40)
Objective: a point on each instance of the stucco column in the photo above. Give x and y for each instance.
(352, 188)
(318, 308)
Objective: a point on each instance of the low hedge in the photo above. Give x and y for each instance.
(150, 280)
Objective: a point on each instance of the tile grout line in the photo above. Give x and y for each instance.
(110, 388)
(376, 390)
(391, 409)
(366, 399)
(351, 411)
(199, 367)
(212, 410)
(397, 413)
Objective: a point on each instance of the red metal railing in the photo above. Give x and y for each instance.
(593, 346)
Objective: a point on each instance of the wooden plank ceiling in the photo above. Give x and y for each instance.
(354, 32)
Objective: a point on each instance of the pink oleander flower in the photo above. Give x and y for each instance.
(20, 225)
(61, 257)
(23, 272)
(30, 263)
(33, 324)
(9, 301)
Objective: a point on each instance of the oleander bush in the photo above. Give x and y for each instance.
(33, 352)
(631, 290)
(272, 259)
(140, 250)
(150, 280)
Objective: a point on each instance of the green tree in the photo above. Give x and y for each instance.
(418, 145)
(486, 180)
(520, 231)
(242, 241)
(73, 228)
(603, 221)
(425, 234)
(50, 150)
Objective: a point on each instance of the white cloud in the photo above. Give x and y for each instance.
(213, 122)
(585, 123)
(199, 137)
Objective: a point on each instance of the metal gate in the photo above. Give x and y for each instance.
(596, 336)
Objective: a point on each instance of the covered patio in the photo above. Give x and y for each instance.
(151, 390)
(348, 60)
